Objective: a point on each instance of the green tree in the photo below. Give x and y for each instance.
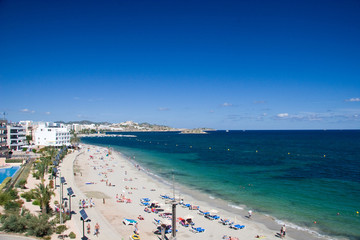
(74, 140)
(43, 194)
(28, 139)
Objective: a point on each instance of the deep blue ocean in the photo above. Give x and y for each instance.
(294, 176)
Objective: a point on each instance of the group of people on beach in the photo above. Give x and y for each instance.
(96, 231)
(85, 203)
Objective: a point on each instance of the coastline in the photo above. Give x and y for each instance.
(260, 224)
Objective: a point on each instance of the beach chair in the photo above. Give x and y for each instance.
(157, 222)
(128, 221)
(226, 222)
(184, 223)
(145, 200)
(212, 217)
(203, 213)
(190, 221)
(237, 226)
(197, 230)
(194, 207)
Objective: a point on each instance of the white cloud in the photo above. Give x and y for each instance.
(48, 113)
(226, 104)
(163, 109)
(282, 115)
(25, 110)
(353, 100)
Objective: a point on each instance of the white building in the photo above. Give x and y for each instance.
(16, 137)
(52, 134)
(76, 127)
(28, 125)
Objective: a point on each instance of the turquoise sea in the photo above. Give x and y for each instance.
(7, 172)
(295, 176)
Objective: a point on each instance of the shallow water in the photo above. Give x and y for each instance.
(296, 176)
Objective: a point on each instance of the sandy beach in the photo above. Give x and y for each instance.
(115, 185)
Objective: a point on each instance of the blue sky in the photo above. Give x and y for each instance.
(220, 64)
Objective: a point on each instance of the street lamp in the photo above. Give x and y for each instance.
(84, 218)
(70, 194)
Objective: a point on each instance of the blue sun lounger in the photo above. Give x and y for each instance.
(204, 213)
(197, 230)
(237, 226)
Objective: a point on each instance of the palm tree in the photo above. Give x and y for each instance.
(41, 168)
(74, 140)
(43, 194)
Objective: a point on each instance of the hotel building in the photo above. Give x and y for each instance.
(51, 134)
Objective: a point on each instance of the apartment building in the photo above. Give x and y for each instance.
(16, 136)
(3, 142)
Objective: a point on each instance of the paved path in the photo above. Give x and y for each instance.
(15, 237)
(107, 232)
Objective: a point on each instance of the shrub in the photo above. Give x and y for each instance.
(22, 183)
(28, 196)
(14, 223)
(60, 229)
(36, 175)
(40, 226)
(36, 202)
(34, 150)
(4, 198)
(24, 149)
(12, 206)
(14, 194)
(13, 161)
(72, 235)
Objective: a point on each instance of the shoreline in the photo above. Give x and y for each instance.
(262, 223)
(269, 222)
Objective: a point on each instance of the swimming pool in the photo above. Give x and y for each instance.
(8, 172)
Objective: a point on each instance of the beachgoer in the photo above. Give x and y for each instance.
(88, 228)
(97, 229)
(250, 213)
(136, 230)
(283, 231)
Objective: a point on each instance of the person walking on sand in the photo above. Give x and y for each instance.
(88, 228)
(97, 229)
(250, 213)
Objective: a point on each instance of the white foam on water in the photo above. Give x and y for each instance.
(211, 197)
(236, 207)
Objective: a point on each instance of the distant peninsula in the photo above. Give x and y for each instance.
(89, 127)
(196, 131)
